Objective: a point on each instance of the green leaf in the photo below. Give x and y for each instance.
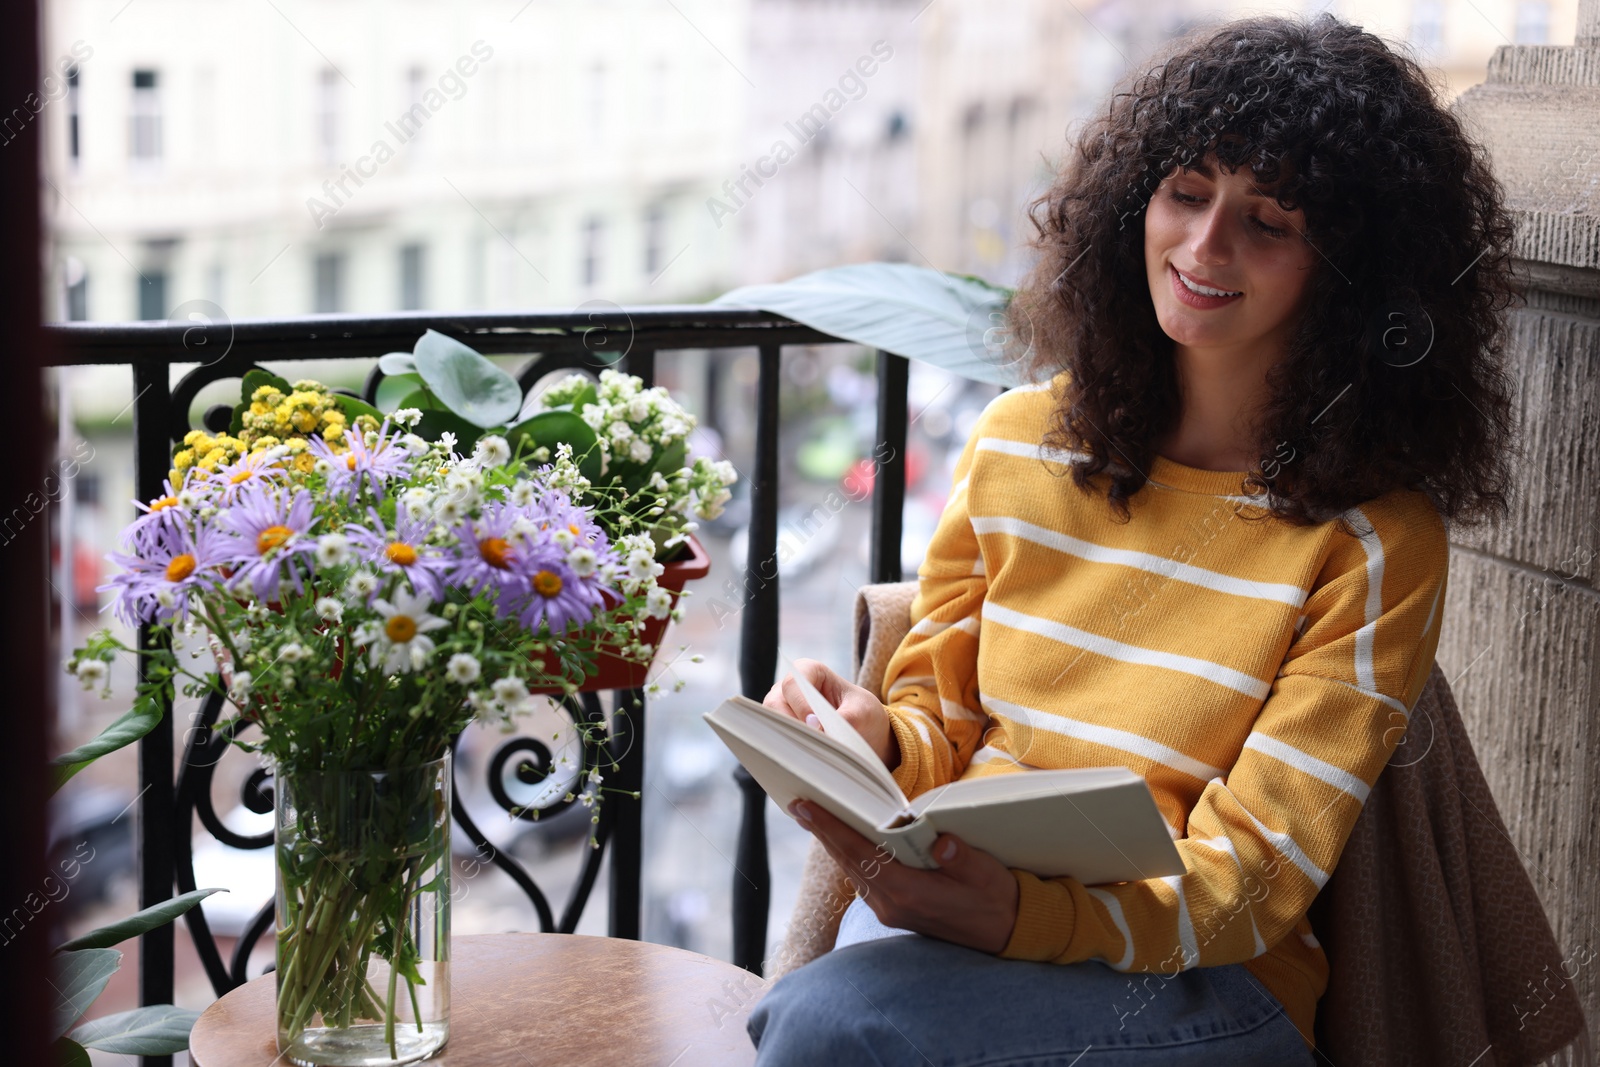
(420, 399)
(69, 1053)
(467, 383)
(397, 363)
(670, 461)
(139, 922)
(550, 428)
(436, 422)
(138, 721)
(950, 321)
(255, 378)
(79, 979)
(157, 1030)
(353, 406)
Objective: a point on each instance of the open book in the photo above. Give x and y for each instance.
(1098, 824)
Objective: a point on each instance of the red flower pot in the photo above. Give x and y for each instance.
(611, 671)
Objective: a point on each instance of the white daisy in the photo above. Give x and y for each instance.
(523, 493)
(407, 417)
(293, 652)
(330, 609)
(402, 643)
(239, 689)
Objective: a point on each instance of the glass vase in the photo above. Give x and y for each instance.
(363, 908)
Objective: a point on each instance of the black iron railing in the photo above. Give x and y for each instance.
(175, 775)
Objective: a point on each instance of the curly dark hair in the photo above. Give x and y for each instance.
(1414, 248)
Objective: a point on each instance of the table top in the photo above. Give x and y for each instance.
(543, 1000)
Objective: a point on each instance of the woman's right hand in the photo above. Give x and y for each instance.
(859, 706)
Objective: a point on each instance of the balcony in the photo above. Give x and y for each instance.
(178, 764)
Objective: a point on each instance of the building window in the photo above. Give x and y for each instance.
(655, 232)
(328, 117)
(413, 262)
(77, 278)
(1533, 22)
(153, 293)
(593, 232)
(144, 132)
(328, 295)
(72, 115)
(1427, 25)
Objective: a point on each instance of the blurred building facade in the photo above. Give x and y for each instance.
(292, 159)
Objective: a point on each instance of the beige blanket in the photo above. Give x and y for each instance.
(1439, 950)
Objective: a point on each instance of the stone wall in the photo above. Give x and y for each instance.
(1521, 640)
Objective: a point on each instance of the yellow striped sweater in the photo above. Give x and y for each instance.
(1258, 676)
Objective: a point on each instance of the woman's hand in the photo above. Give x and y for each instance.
(971, 899)
(860, 708)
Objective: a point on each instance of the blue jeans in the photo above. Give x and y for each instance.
(887, 997)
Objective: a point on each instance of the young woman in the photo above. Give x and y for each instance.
(1209, 545)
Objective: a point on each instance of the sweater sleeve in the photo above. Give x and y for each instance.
(1262, 840)
(930, 684)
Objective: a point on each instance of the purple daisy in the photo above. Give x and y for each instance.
(554, 594)
(402, 550)
(167, 566)
(270, 528)
(249, 471)
(386, 458)
(491, 549)
(165, 512)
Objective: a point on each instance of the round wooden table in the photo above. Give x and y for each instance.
(543, 1000)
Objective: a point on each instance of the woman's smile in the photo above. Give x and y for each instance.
(1199, 294)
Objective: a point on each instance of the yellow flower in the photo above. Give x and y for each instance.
(264, 443)
(333, 433)
(305, 462)
(305, 421)
(213, 458)
(192, 436)
(258, 408)
(267, 394)
(184, 459)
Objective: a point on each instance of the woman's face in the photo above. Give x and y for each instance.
(1218, 230)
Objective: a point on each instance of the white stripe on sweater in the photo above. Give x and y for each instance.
(1306, 763)
(1110, 736)
(1118, 650)
(1292, 595)
(1115, 908)
(1365, 676)
(1191, 950)
(1285, 844)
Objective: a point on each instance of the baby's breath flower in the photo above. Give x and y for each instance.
(92, 672)
(492, 451)
(463, 668)
(332, 550)
(407, 417)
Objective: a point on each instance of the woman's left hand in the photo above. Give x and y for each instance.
(970, 899)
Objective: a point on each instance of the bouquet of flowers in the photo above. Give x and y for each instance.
(368, 592)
